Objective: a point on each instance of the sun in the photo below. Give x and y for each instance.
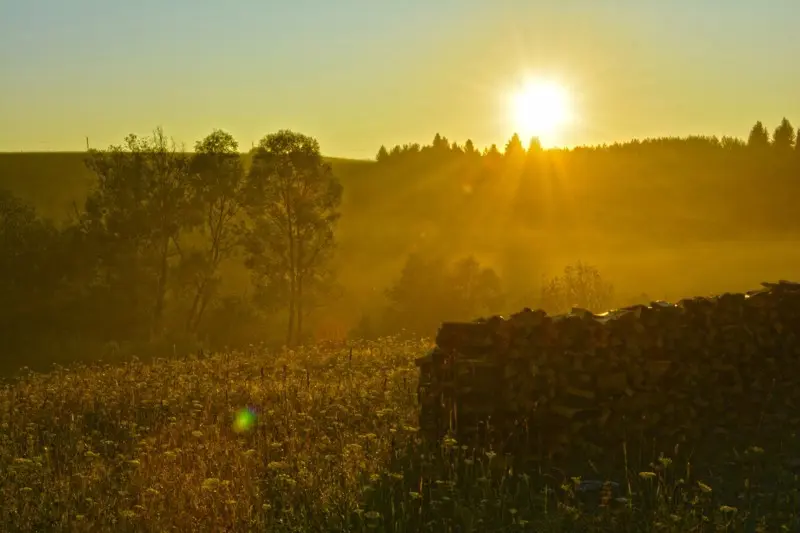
(540, 109)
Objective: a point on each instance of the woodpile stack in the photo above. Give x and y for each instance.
(701, 368)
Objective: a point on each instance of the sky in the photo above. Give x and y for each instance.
(356, 74)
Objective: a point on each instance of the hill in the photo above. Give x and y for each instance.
(662, 216)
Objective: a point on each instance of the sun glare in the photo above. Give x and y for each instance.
(541, 109)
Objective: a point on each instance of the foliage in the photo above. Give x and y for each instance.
(219, 194)
(135, 216)
(784, 137)
(581, 286)
(429, 290)
(294, 198)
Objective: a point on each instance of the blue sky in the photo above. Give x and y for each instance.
(357, 74)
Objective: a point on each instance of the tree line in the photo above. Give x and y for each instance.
(784, 139)
(140, 260)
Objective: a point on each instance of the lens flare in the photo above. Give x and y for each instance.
(244, 420)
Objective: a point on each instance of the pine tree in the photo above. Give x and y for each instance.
(759, 137)
(783, 139)
(383, 154)
(514, 147)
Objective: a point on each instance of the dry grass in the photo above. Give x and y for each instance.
(154, 447)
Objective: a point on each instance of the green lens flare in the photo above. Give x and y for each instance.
(244, 421)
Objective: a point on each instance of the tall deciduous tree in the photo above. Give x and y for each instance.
(217, 180)
(139, 207)
(295, 208)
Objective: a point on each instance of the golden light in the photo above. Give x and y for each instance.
(541, 109)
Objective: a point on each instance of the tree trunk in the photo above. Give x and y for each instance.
(202, 310)
(158, 312)
(299, 329)
(191, 321)
(292, 303)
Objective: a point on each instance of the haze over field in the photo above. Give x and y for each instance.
(530, 169)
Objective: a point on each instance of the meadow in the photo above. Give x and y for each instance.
(325, 439)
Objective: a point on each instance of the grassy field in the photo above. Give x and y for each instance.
(325, 440)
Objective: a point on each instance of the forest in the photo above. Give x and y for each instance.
(151, 249)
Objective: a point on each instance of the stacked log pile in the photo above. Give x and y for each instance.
(701, 368)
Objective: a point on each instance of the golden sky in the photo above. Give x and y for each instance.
(356, 74)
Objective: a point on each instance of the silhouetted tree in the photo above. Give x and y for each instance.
(139, 207)
(469, 147)
(294, 198)
(477, 290)
(759, 137)
(218, 193)
(29, 277)
(440, 143)
(731, 143)
(382, 155)
(535, 146)
(784, 137)
(514, 148)
(429, 291)
(581, 286)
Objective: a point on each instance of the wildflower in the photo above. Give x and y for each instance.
(647, 475)
(705, 488)
(210, 483)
